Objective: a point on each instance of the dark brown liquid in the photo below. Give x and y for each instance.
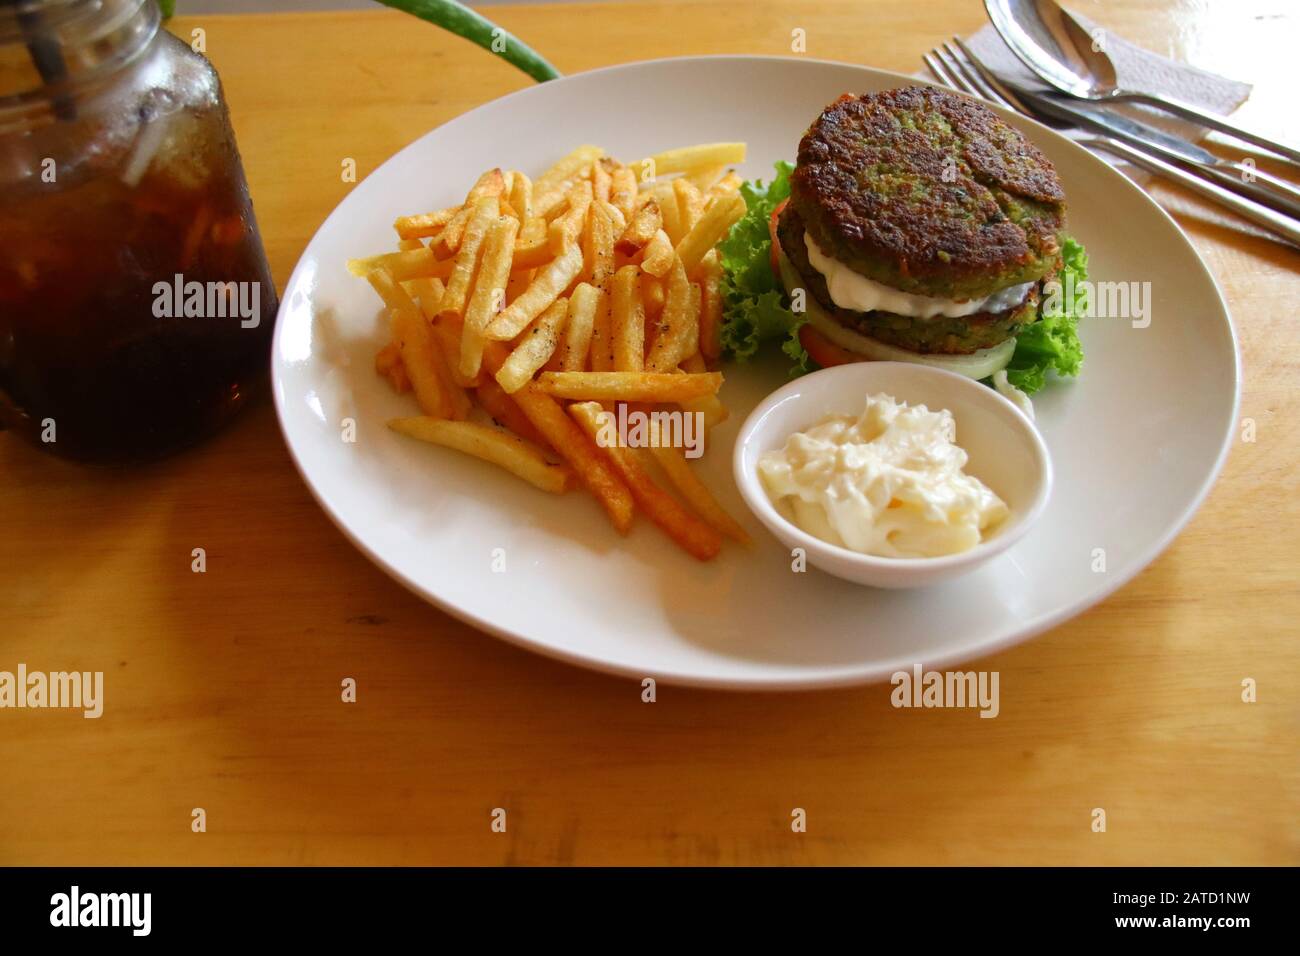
(80, 344)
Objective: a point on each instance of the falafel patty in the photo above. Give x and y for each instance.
(928, 192)
(937, 335)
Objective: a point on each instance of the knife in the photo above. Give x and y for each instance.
(1241, 178)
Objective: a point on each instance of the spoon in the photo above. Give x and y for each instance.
(1053, 44)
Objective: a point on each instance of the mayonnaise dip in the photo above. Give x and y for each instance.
(888, 482)
(852, 290)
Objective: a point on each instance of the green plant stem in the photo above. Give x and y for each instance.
(462, 21)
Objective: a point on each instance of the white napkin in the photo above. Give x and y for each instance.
(1135, 68)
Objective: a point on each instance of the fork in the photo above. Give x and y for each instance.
(957, 68)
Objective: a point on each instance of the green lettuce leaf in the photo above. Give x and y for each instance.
(1052, 343)
(754, 301)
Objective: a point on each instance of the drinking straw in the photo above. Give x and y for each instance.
(46, 56)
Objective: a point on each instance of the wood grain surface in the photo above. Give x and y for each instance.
(222, 689)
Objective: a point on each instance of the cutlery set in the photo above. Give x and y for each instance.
(1062, 53)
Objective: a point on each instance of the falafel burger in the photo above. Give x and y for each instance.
(915, 226)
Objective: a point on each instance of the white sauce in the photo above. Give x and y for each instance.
(889, 482)
(852, 290)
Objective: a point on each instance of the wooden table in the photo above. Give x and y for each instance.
(223, 688)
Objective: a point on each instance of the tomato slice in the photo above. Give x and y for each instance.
(771, 229)
(823, 351)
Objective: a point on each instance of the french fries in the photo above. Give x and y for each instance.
(598, 247)
(678, 328)
(693, 491)
(692, 159)
(622, 190)
(538, 342)
(657, 257)
(645, 222)
(506, 412)
(690, 202)
(426, 225)
(711, 307)
(490, 444)
(579, 325)
(627, 321)
(629, 386)
(565, 229)
(696, 537)
(718, 218)
(419, 353)
(550, 188)
(403, 264)
(467, 259)
(545, 302)
(488, 297)
(546, 288)
(583, 455)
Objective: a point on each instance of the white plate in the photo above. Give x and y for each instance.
(1137, 440)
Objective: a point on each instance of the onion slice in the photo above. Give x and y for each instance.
(976, 365)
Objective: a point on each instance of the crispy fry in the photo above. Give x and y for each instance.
(615, 216)
(725, 186)
(448, 333)
(689, 159)
(386, 358)
(677, 333)
(521, 195)
(467, 259)
(425, 225)
(490, 185)
(693, 535)
(601, 181)
(404, 264)
(671, 213)
(719, 216)
(694, 363)
(711, 306)
(627, 320)
(602, 340)
(428, 293)
(492, 444)
(629, 386)
(448, 240)
(647, 221)
(583, 304)
(550, 188)
(568, 439)
(506, 413)
(565, 230)
(533, 247)
(693, 491)
(598, 247)
(547, 286)
(581, 452)
(520, 280)
(690, 203)
(398, 378)
(537, 343)
(622, 190)
(715, 413)
(657, 256)
(415, 344)
(704, 177)
(652, 295)
(489, 294)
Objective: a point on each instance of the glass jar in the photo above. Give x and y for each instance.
(136, 304)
